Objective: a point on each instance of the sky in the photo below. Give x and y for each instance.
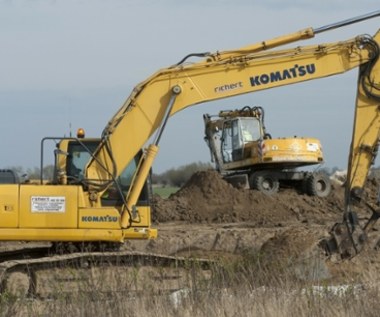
(66, 64)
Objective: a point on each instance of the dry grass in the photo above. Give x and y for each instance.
(243, 288)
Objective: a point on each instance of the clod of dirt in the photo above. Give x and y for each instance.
(296, 251)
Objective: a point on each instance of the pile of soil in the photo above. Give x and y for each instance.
(208, 198)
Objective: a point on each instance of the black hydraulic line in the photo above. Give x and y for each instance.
(176, 90)
(192, 55)
(347, 22)
(368, 86)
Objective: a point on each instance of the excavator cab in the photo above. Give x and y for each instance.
(236, 133)
(78, 155)
(72, 156)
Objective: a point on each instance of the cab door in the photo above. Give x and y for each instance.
(232, 142)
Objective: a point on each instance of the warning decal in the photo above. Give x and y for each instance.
(55, 204)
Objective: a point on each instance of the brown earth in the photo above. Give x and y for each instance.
(210, 217)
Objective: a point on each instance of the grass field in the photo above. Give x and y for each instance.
(164, 192)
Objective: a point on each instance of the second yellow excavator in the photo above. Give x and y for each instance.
(247, 156)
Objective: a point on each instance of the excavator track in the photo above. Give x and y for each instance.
(37, 273)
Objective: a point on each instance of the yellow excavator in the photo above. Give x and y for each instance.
(247, 156)
(106, 196)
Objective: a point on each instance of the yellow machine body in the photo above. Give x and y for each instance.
(280, 153)
(58, 213)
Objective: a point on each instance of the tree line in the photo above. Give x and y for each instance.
(34, 173)
(173, 177)
(177, 177)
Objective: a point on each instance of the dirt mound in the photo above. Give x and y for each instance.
(207, 198)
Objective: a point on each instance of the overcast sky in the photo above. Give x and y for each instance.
(68, 64)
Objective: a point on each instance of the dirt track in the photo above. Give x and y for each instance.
(210, 217)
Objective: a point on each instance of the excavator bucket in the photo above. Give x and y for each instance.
(348, 238)
(344, 241)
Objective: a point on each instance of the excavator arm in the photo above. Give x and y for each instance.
(349, 237)
(229, 73)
